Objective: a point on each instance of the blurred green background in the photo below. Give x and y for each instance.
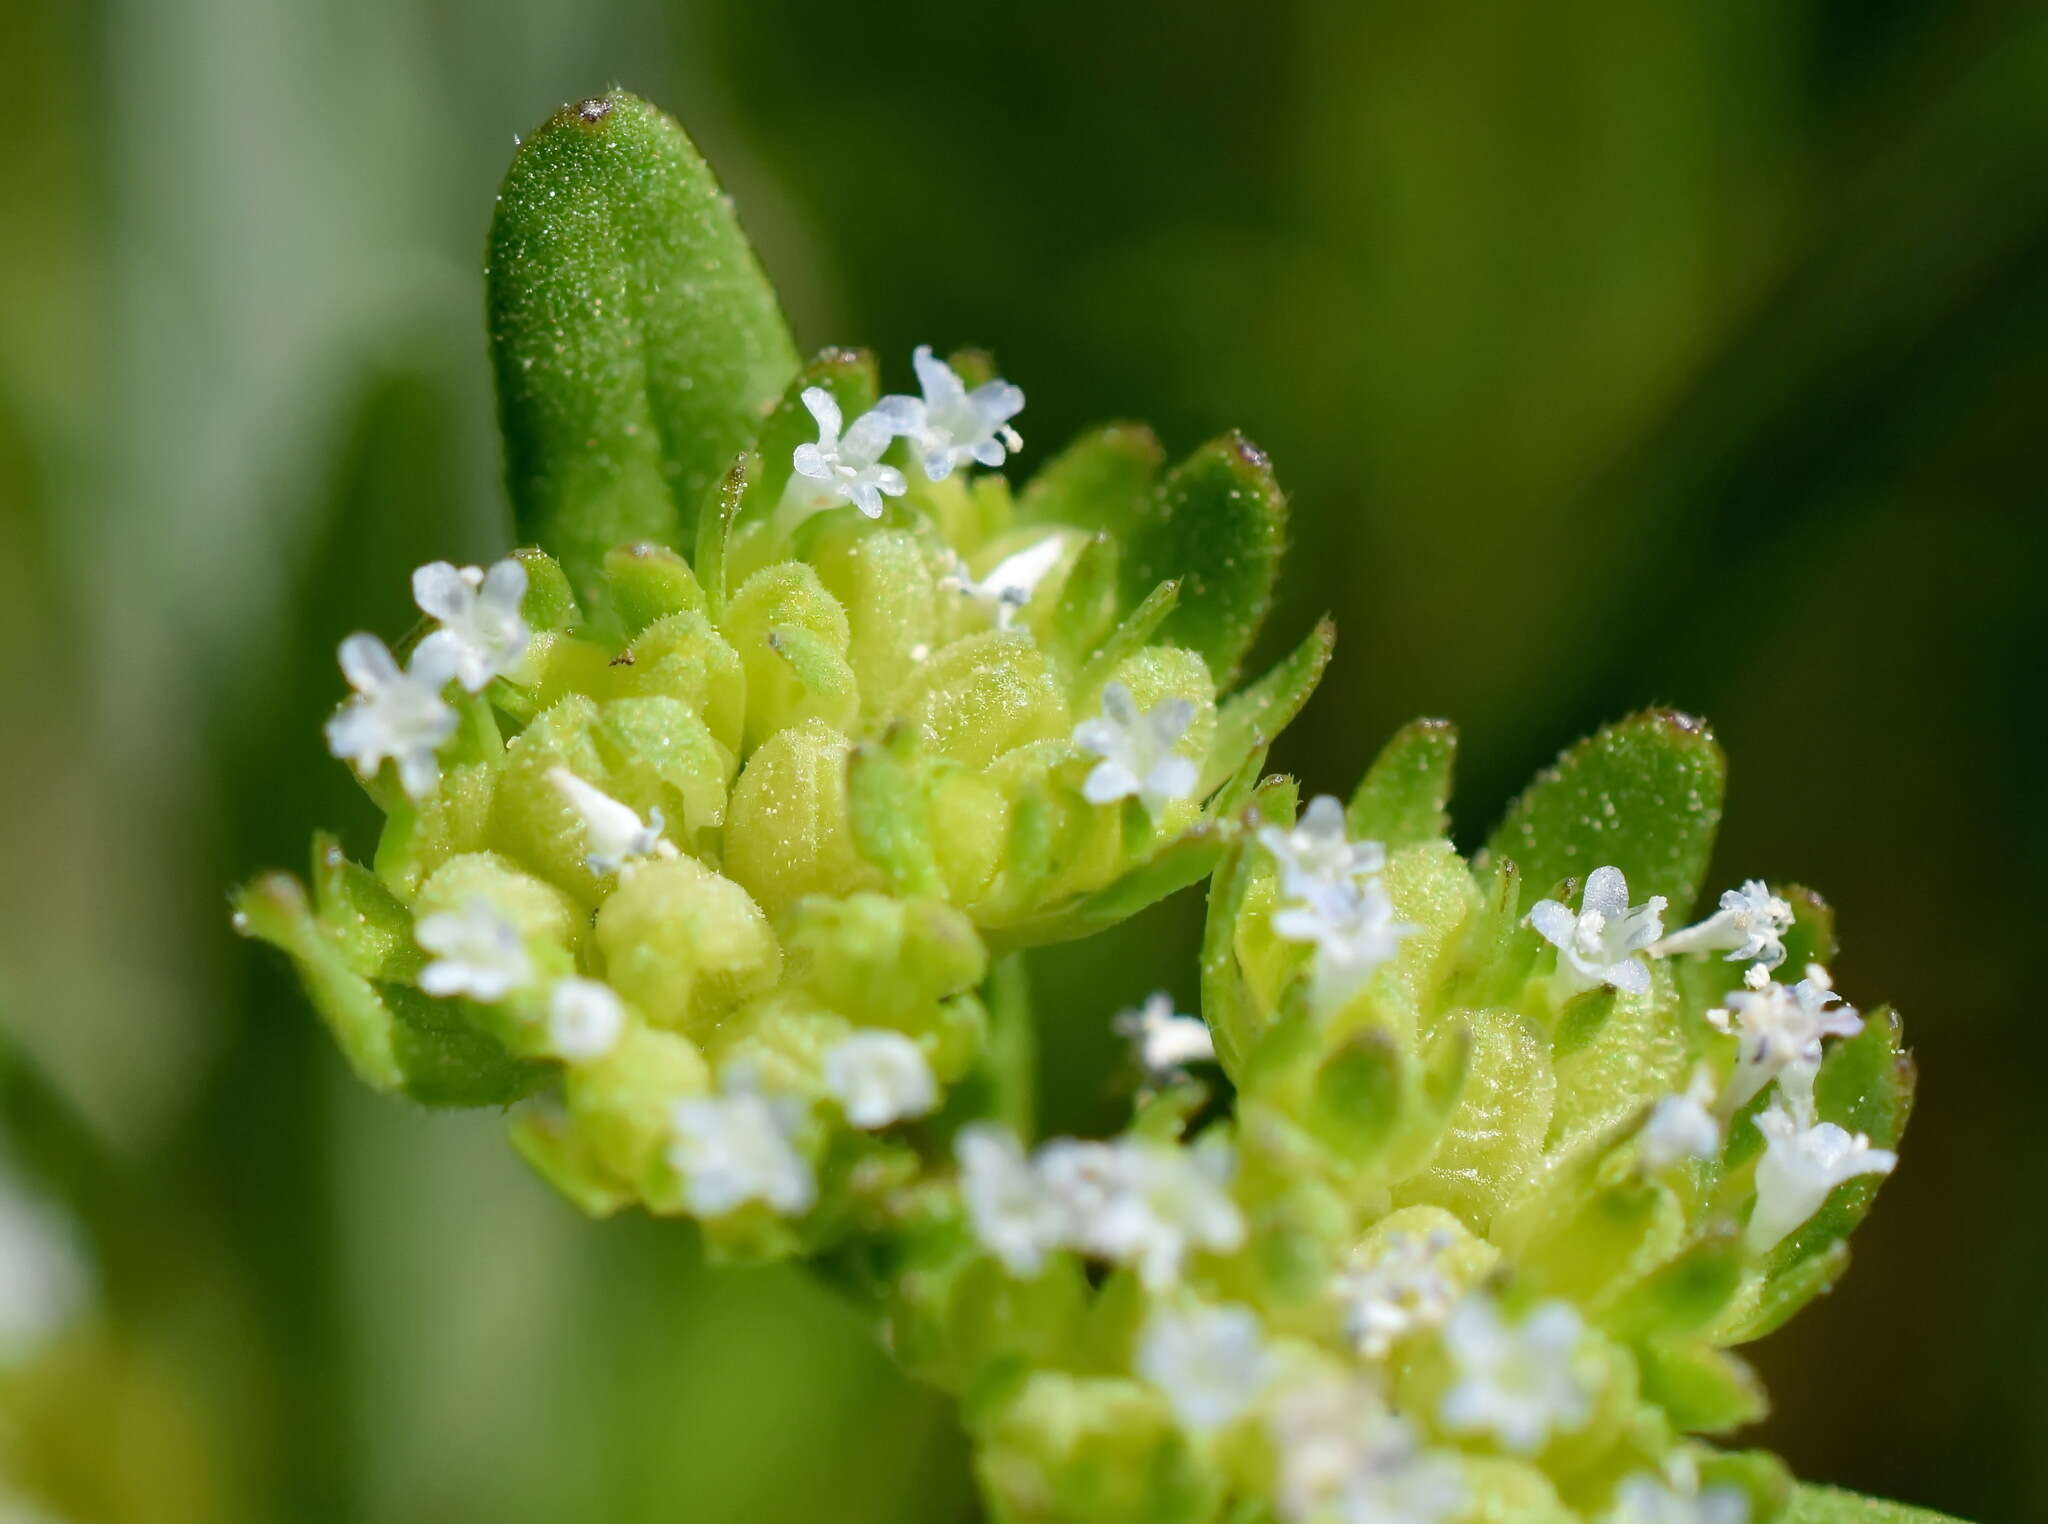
(1613, 352)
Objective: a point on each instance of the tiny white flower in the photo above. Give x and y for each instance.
(738, 1147)
(1646, 1498)
(1399, 1289)
(879, 1077)
(847, 468)
(950, 426)
(585, 1019)
(1750, 927)
(1344, 1459)
(45, 1278)
(1519, 1382)
(1605, 941)
(1006, 1203)
(1008, 587)
(1778, 1030)
(1211, 1362)
(1803, 1161)
(1142, 1204)
(1683, 1126)
(477, 952)
(1163, 1041)
(1138, 759)
(1353, 929)
(1316, 855)
(481, 627)
(615, 834)
(400, 715)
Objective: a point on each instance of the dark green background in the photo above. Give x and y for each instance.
(1613, 353)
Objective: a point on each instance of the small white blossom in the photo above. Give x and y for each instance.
(1008, 587)
(1400, 1289)
(950, 426)
(45, 1281)
(738, 1147)
(400, 715)
(847, 468)
(480, 624)
(1353, 929)
(585, 1019)
(1317, 856)
(1344, 1459)
(1138, 759)
(1211, 1362)
(1604, 942)
(1778, 1030)
(477, 952)
(1519, 1382)
(1006, 1203)
(1142, 1204)
(1803, 1161)
(1646, 1498)
(615, 834)
(1163, 1041)
(1682, 1126)
(879, 1077)
(1750, 927)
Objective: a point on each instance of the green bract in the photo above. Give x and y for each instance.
(715, 823)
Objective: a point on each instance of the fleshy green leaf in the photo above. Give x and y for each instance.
(1401, 799)
(635, 339)
(1217, 523)
(1644, 795)
(1251, 718)
(1101, 481)
(1827, 1505)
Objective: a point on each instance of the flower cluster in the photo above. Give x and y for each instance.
(708, 871)
(703, 868)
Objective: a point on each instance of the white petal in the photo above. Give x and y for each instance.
(367, 663)
(1606, 893)
(440, 590)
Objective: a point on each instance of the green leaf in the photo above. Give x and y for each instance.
(1644, 795)
(1401, 799)
(1102, 481)
(635, 339)
(1828, 1505)
(1252, 717)
(1218, 523)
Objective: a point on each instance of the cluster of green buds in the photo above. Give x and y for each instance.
(717, 827)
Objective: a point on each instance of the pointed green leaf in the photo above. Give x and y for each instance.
(635, 339)
(1643, 795)
(1827, 1505)
(1102, 481)
(714, 528)
(1252, 717)
(1129, 637)
(1218, 523)
(1401, 799)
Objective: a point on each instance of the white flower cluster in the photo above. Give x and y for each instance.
(1333, 899)
(1343, 1457)
(1398, 1289)
(399, 714)
(1340, 1456)
(1137, 751)
(948, 427)
(1163, 1041)
(1779, 1031)
(1131, 1202)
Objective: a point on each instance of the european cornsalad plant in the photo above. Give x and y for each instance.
(718, 819)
